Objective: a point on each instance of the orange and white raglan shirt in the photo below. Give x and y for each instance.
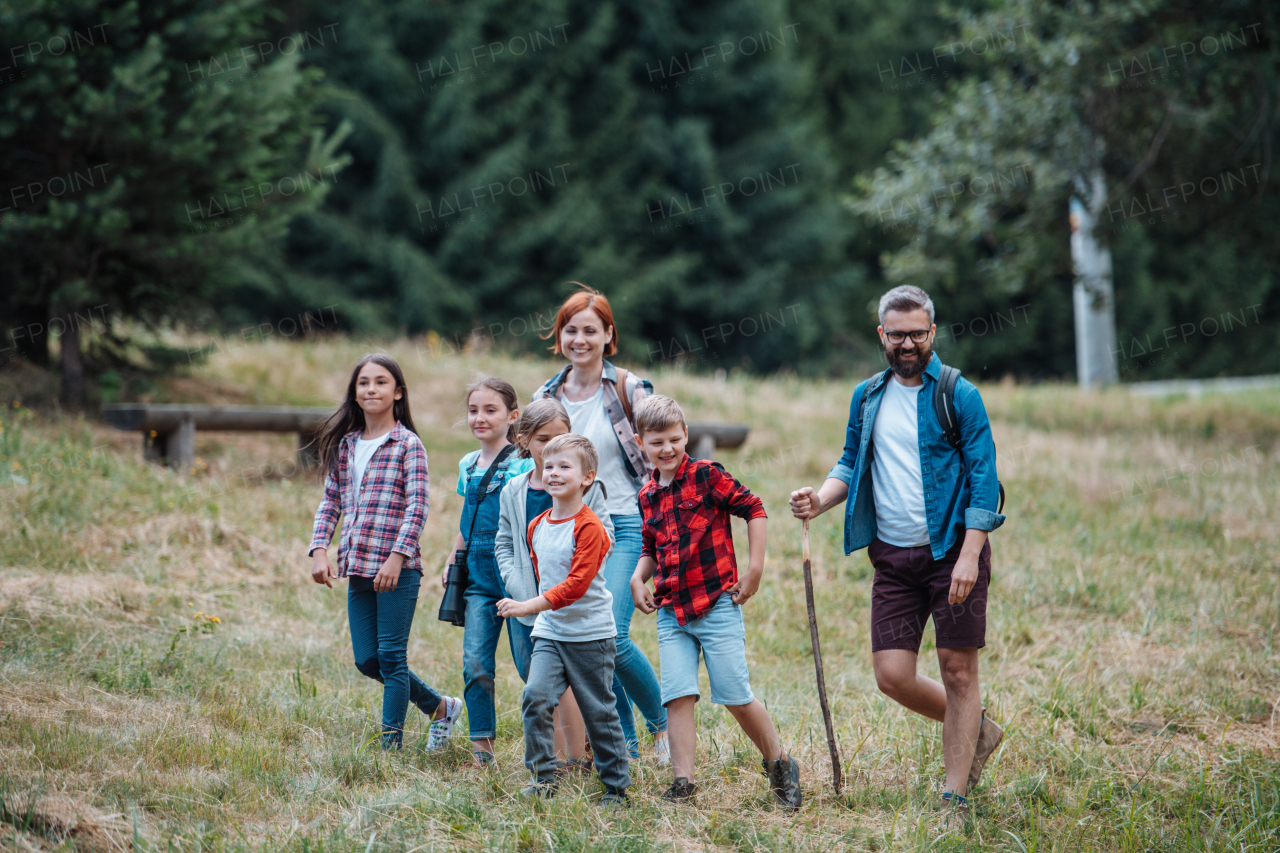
(567, 556)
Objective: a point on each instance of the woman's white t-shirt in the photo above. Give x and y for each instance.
(588, 418)
(364, 452)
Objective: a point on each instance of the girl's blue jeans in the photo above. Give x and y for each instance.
(633, 678)
(480, 643)
(380, 623)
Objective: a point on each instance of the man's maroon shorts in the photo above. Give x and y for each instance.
(910, 584)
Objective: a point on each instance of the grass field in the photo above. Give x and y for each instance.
(171, 679)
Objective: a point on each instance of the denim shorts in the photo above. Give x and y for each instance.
(721, 638)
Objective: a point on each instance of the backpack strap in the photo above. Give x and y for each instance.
(625, 396)
(944, 404)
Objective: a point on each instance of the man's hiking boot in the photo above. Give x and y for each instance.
(953, 813)
(989, 737)
(681, 789)
(784, 781)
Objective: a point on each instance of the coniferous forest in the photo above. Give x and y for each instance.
(742, 178)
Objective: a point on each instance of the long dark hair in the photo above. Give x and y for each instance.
(504, 390)
(350, 416)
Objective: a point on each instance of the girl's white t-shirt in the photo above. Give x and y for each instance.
(364, 452)
(588, 418)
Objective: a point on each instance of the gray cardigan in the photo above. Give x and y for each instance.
(514, 563)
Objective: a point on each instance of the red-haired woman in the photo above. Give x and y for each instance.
(600, 399)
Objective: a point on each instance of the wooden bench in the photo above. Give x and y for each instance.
(705, 438)
(169, 431)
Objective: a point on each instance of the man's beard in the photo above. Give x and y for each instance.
(909, 368)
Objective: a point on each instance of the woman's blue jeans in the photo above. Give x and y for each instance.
(380, 623)
(633, 676)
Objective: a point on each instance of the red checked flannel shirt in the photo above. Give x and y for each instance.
(390, 510)
(687, 531)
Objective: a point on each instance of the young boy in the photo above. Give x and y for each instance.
(573, 637)
(688, 543)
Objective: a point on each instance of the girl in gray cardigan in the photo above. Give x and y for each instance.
(521, 500)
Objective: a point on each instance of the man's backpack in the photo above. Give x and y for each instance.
(944, 406)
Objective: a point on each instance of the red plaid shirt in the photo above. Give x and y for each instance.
(387, 515)
(687, 531)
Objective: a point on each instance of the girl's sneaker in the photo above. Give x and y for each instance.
(662, 749)
(440, 729)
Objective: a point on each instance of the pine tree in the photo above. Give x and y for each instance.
(155, 152)
(658, 152)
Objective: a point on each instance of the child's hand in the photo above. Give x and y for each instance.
(321, 568)
(389, 575)
(742, 591)
(642, 596)
(444, 575)
(509, 608)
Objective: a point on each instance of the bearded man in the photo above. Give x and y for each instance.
(922, 509)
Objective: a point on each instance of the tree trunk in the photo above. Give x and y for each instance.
(28, 335)
(1093, 294)
(72, 366)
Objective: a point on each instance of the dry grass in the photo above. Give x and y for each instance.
(1131, 639)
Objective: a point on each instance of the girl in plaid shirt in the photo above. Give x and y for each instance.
(376, 481)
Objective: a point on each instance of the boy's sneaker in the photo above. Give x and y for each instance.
(681, 789)
(482, 757)
(614, 800)
(662, 749)
(539, 790)
(784, 781)
(440, 729)
(989, 737)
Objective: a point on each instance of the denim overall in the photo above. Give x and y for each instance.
(483, 624)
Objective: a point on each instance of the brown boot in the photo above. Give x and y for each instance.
(989, 737)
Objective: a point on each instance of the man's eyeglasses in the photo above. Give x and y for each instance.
(918, 336)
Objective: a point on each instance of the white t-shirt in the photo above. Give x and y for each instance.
(364, 452)
(896, 480)
(588, 418)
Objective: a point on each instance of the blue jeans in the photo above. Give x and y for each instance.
(480, 643)
(633, 678)
(380, 623)
(484, 589)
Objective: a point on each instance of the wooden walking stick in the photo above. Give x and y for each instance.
(836, 776)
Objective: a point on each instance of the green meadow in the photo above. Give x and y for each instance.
(171, 679)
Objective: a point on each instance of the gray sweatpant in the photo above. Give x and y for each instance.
(588, 669)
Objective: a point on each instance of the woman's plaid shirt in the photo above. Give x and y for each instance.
(387, 515)
(687, 532)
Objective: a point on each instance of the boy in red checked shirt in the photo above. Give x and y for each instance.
(688, 545)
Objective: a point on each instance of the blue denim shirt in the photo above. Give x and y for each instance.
(960, 491)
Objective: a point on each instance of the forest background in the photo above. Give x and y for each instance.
(743, 179)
